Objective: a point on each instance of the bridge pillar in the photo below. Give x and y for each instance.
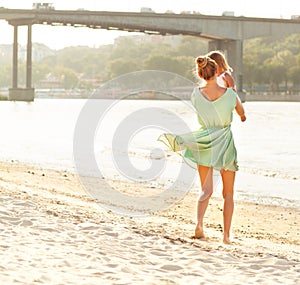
(27, 93)
(29, 58)
(233, 50)
(15, 58)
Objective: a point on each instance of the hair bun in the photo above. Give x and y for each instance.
(201, 61)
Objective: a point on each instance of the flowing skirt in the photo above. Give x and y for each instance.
(212, 147)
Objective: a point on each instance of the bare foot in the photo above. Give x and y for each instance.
(226, 240)
(199, 232)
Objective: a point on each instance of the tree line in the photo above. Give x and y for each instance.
(269, 63)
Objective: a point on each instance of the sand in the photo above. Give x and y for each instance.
(52, 232)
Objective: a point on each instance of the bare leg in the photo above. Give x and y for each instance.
(228, 178)
(206, 179)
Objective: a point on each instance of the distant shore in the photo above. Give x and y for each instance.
(273, 97)
(85, 94)
(186, 96)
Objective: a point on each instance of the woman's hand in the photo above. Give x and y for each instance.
(243, 118)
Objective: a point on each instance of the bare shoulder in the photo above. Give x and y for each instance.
(228, 78)
(227, 75)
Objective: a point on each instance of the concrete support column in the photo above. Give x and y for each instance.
(15, 58)
(29, 58)
(235, 55)
(16, 93)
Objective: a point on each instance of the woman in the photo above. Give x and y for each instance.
(212, 146)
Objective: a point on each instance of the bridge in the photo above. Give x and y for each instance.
(226, 33)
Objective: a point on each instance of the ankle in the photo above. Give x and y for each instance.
(226, 239)
(199, 233)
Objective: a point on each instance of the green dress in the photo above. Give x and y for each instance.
(212, 145)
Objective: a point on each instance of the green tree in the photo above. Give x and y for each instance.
(268, 61)
(68, 77)
(192, 47)
(161, 62)
(39, 72)
(186, 67)
(276, 72)
(294, 73)
(121, 66)
(5, 75)
(293, 43)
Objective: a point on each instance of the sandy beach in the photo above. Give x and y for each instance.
(52, 232)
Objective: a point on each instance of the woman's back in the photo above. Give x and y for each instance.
(214, 112)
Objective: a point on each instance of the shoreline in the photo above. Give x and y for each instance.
(264, 97)
(247, 97)
(274, 181)
(47, 210)
(37, 176)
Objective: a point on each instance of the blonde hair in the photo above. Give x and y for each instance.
(220, 59)
(206, 67)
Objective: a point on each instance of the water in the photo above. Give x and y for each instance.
(42, 133)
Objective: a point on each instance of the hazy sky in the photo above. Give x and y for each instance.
(59, 37)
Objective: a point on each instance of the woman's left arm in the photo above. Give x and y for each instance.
(240, 109)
